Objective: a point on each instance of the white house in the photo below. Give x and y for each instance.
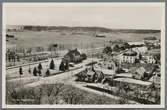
(130, 56)
(148, 58)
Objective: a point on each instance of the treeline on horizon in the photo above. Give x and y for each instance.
(98, 29)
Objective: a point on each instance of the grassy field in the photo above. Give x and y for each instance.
(71, 40)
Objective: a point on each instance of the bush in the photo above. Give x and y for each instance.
(107, 50)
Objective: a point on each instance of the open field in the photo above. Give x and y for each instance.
(71, 40)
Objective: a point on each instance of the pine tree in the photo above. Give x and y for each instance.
(47, 72)
(20, 71)
(40, 66)
(39, 72)
(67, 66)
(35, 71)
(52, 65)
(29, 70)
(62, 67)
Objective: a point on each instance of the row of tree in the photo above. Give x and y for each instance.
(37, 71)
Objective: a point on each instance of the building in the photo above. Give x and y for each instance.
(109, 64)
(139, 73)
(129, 56)
(90, 75)
(148, 58)
(136, 43)
(156, 79)
(140, 50)
(74, 56)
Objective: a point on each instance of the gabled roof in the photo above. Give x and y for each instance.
(75, 51)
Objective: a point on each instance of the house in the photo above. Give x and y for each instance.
(156, 79)
(136, 43)
(109, 64)
(118, 45)
(140, 50)
(90, 75)
(74, 56)
(148, 58)
(139, 73)
(129, 56)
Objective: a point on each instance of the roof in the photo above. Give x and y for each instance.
(130, 53)
(133, 81)
(90, 73)
(136, 43)
(144, 48)
(105, 71)
(73, 51)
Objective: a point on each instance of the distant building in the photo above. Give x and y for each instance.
(14, 27)
(109, 64)
(100, 35)
(148, 58)
(140, 50)
(139, 73)
(136, 43)
(129, 57)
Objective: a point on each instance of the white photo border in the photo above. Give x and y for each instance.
(162, 105)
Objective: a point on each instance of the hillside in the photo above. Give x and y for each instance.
(91, 29)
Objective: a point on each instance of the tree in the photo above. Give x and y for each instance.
(116, 48)
(40, 66)
(107, 50)
(47, 72)
(20, 71)
(52, 65)
(67, 66)
(73, 96)
(39, 72)
(35, 71)
(84, 57)
(29, 70)
(62, 66)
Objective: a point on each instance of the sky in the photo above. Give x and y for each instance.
(118, 16)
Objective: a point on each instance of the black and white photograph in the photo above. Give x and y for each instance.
(83, 55)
